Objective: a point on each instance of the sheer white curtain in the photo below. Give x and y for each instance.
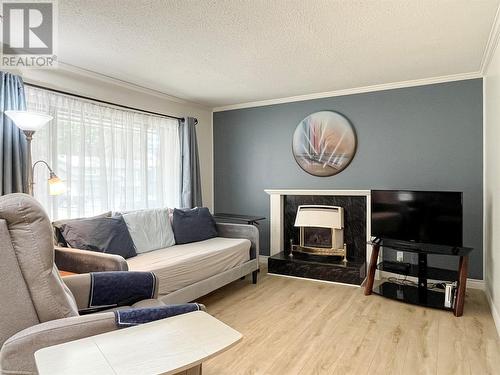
(109, 158)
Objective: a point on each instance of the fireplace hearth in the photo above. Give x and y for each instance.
(317, 267)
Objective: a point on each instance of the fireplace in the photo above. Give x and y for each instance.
(321, 230)
(317, 238)
(354, 226)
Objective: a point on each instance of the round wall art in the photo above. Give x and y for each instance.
(324, 143)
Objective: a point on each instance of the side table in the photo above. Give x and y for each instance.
(176, 345)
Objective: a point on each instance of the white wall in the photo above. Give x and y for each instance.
(99, 87)
(492, 184)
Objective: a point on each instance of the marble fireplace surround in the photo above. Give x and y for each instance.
(277, 201)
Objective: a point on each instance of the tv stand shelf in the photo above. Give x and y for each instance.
(419, 294)
(411, 294)
(433, 273)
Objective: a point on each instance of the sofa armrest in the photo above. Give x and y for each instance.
(17, 354)
(103, 290)
(249, 232)
(83, 261)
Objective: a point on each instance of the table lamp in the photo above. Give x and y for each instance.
(29, 123)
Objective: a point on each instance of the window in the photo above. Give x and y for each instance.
(109, 158)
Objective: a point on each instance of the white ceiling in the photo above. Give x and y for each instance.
(224, 52)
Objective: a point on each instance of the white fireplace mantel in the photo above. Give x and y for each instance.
(276, 212)
(272, 192)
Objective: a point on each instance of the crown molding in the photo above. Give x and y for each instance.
(357, 90)
(65, 67)
(491, 44)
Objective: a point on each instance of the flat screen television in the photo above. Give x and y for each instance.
(417, 216)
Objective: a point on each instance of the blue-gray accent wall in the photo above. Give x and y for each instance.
(418, 138)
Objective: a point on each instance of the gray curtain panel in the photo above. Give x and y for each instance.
(190, 165)
(13, 147)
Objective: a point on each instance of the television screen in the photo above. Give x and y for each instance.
(418, 216)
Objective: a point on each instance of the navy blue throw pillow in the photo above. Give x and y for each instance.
(193, 225)
(105, 235)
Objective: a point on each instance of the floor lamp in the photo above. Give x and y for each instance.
(29, 123)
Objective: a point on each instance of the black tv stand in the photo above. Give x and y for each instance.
(419, 294)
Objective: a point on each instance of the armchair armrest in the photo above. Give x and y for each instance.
(17, 354)
(250, 232)
(103, 290)
(83, 261)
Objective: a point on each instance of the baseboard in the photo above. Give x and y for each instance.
(494, 311)
(476, 284)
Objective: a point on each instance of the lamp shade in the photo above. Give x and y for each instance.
(56, 185)
(28, 121)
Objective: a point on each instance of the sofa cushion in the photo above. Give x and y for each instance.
(105, 234)
(149, 229)
(58, 237)
(181, 265)
(193, 225)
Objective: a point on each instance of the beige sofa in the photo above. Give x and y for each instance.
(185, 272)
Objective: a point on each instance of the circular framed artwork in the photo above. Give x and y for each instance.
(324, 143)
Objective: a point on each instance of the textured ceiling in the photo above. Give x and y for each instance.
(225, 52)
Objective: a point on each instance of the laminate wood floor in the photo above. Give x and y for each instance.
(293, 326)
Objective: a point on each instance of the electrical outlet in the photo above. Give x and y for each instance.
(399, 256)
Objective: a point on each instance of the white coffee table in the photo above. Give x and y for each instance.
(167, 346)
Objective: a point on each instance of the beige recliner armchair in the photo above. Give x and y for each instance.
(37, 308)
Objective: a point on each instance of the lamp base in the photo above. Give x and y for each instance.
(29, 170)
